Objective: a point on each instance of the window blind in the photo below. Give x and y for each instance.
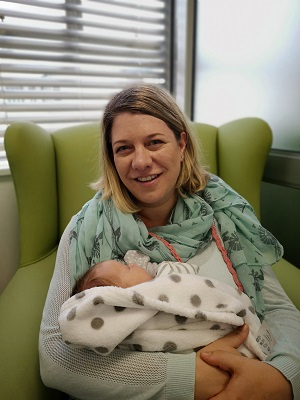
(61, 60)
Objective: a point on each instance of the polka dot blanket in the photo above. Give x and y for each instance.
(173, 313)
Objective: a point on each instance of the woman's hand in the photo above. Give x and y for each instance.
(209, 379)
(250, 379)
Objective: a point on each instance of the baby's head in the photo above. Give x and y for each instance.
(111, 273)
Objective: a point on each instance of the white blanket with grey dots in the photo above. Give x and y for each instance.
(172, 313)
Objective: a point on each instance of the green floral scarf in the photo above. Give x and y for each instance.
(101, 232)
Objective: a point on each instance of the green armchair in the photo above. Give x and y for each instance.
(51, 173)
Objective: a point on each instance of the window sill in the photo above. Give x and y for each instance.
(4, 169)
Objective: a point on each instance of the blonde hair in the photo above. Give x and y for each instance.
(157, 102)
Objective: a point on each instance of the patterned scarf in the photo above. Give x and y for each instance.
(101, 232)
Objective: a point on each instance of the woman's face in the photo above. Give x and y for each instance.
(148, 158)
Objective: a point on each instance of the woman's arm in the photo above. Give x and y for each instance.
(123, 374)
(284, 320)
(279, 375)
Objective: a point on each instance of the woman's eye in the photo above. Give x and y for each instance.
(155, 142)
(121, 148)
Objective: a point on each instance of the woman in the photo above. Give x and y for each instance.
(155, 197)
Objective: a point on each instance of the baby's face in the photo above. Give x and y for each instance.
(121, 275)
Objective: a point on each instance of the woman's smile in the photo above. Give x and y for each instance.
(149, 178)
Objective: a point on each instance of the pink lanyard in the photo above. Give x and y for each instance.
(226, 258)
(168, 245)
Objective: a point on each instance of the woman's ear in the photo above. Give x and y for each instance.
(182, 141)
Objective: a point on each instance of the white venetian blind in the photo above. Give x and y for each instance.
(61, 60)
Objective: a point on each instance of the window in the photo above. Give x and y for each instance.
(61, 60)
(247, 63)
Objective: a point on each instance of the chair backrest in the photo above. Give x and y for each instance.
(52, 172)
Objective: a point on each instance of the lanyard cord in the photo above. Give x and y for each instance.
(168, 245)
(225, 257)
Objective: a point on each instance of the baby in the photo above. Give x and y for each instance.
(138, 269)
(122, 305)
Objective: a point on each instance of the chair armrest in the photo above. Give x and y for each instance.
(21, 307)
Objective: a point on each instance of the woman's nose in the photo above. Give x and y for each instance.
(141, 159)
